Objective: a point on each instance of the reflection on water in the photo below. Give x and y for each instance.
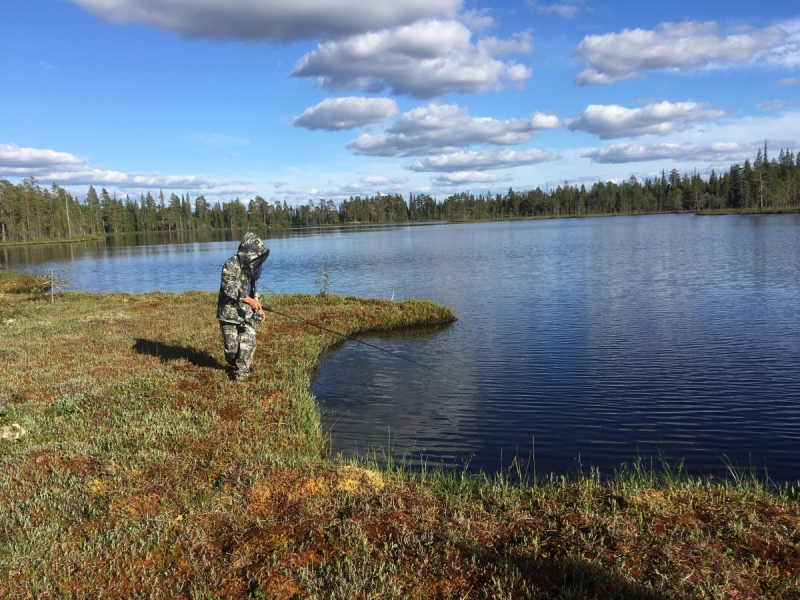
(599, 339)
(185, 260)
(359, 389)
(592, 341)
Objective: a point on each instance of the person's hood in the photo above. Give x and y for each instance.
(252, 251)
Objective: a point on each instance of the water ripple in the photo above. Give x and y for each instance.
(671, 336)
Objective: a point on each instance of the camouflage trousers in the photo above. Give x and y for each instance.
(240, 344)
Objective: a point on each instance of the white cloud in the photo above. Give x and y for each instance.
(775, 127)
(684, 46)
(780, 104)
(13, 157)
(592, 77)
(612, 121)
(368, 185)
(446, 128)
(374, 179)
(334, 114)
(378, 180)
(565, 10)
(769, 126)
(522, 43)
(466, 177)
(716, 152)
(786, 82)
(67, 169)
(486, 160)
(785, 55)
(423, 60)
(477, 19)
(269, 20)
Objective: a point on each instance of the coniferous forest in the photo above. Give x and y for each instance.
(29, 211)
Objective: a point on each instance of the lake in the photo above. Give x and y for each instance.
(580, 342)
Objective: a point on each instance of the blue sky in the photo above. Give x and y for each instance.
(331, 98)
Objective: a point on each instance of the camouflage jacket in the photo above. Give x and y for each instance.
(235, 285)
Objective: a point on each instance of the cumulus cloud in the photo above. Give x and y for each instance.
(486, 160)
(335, 114)
(612, 121)
(269, 20)
(466, 177)
(446, 128)
(684, 46)
(13, 157)
(67, 169)
(719, 151)
(426, 59)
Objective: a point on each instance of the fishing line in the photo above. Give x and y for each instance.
(347, 337)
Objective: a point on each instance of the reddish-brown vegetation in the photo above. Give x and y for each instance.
(146, 472)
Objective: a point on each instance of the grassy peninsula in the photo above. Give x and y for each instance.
(131, 466)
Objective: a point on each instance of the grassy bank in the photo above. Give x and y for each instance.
(144, 471)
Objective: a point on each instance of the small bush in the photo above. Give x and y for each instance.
(323, 282)
(12, 282)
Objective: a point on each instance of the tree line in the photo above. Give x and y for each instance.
(29, 211)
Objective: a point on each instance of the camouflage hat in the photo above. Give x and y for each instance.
(252, 252)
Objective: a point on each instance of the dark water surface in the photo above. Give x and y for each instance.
(594, 339)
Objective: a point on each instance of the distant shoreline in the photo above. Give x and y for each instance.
(100, 237)
(766, 211)
(46, 241)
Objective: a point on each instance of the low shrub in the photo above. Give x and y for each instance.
(13, 282)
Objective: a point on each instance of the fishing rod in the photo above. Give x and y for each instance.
(347, 337)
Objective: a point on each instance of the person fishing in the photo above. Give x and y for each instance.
(239, 309)
(238, 306)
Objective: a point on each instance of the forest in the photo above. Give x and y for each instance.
(29, 211)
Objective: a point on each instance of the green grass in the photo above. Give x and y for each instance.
(147, 472)
(12, 282)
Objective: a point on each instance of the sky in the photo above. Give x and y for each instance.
(327, 99)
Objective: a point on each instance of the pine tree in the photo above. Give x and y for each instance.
(91, 197)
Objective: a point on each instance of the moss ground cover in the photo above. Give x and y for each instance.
(145, 471)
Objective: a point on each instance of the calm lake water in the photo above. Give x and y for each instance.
(584, 341)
